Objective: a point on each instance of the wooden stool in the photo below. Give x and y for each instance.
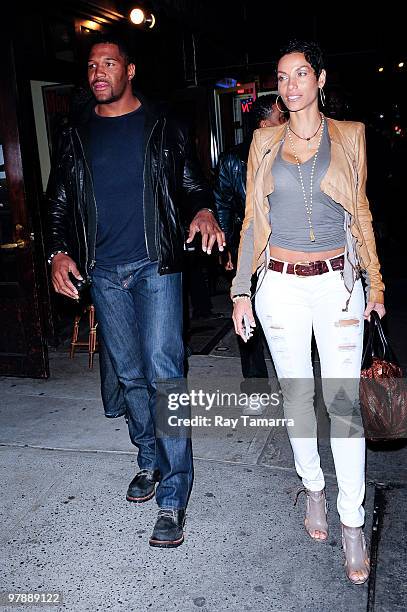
(91, 343)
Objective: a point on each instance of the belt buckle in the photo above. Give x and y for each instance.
(301, 263)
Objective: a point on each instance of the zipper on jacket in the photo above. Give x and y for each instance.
(93, 260)
(80, 207)
(74, 215)
(159, 171)
(144, 189)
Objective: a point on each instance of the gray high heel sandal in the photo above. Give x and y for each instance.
(356, 555)
(315, 513)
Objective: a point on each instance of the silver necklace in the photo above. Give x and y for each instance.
(308, 206)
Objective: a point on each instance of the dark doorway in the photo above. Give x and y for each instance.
(23, 350)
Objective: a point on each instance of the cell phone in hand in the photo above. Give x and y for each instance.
(80, 285)
(247, 328)
(196, 245)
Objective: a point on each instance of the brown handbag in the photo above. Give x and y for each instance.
(383, 391)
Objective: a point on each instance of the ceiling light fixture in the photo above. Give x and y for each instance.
(140, 17)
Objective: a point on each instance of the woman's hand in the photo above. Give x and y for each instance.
(379, 308)
(241, 307)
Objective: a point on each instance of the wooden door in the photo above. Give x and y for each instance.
(23, 349)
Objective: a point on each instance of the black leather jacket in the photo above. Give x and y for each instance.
(230, 191)
(174, 191)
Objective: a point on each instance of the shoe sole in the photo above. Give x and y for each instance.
(140, 500)
(166, 543)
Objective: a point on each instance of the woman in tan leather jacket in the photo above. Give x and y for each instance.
(308, 232)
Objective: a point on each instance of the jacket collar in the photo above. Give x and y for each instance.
(84, 105)
(81, 119)
(271, 143)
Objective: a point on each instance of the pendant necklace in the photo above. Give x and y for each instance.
(311, 137)
(308, 205)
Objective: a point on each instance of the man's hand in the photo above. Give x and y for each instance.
(205, 223)
(61, 265)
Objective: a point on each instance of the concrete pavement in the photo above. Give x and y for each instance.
(67, 526)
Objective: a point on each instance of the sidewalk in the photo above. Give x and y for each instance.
(67, 526)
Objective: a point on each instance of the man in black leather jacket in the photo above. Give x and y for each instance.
(115, 193)
(230, 196)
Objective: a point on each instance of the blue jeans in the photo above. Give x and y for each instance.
(139, 314)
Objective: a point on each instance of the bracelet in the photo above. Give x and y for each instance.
(51, 257)
(208, 209)
(240, 296)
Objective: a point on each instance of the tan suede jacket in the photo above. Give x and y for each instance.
(344, 182)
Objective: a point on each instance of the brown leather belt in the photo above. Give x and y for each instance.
(308, 268)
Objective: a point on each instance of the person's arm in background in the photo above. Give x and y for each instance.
(198, 199)
(225, 201)
(224, 194)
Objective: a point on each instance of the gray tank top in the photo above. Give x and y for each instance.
(288, 215)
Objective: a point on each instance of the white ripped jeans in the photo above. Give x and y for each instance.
(289, 307)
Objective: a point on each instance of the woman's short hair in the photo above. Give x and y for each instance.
(311, 51)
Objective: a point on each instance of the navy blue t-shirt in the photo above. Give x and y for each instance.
(116, 156)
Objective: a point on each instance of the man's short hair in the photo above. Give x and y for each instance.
(111, 39)
(262, 108)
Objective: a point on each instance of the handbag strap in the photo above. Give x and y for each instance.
(375, 325)
(369, 343)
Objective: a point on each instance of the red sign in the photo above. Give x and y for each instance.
(246, 105)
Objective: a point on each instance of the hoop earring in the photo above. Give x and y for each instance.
(322, 94)
(276, 103)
